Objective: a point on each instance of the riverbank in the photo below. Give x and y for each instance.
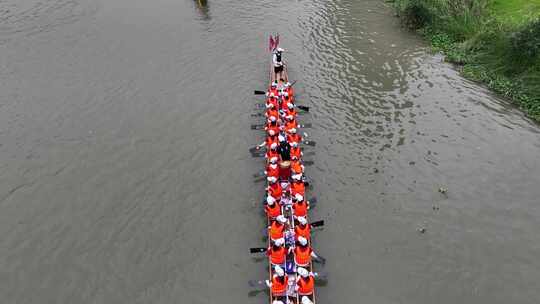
(496, 42)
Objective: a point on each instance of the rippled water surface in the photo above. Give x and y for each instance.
(125, 176)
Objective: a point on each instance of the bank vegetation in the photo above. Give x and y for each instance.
(496, 42)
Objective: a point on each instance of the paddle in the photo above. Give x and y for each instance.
(320, 259)
(309, 143)
(257, 250)
(305, 108)
(319, 275)
(317, 224)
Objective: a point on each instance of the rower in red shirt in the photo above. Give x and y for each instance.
(297, 185)
(293, 136)
(274, 188)
(300, 206)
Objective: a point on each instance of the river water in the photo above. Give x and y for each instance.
(125, 175)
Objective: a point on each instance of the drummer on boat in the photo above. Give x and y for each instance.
(277, 60)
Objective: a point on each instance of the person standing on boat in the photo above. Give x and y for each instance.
(277, 60)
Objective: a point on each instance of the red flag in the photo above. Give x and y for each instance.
(271, 43)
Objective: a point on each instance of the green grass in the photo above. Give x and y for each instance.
(515, 11)
(496, 42)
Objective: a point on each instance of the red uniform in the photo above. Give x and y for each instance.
(273, 211)
(277, 254)
(294, 138)
(306, 285)
(302, 255)
(300, 208)
(272, 126)
(297, 187)
(272, 170)
(290, 125)
(296, 152)
(272, 112)
(275, 190)
(277, 230)
(302, 230)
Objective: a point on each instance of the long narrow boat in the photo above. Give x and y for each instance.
(291, 295)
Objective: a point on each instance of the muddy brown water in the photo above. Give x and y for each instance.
(125, 176)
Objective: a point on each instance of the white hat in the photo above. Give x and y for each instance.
(290, 105)
(299, 197)
(272, 179)
(273, 166)
(271, 94)
(271, 132)
(303, 272)
(273, 159)
(279, 271)
(281, 138)
(280, 49)
(281, 219)
(272, 118)
(292, 130)
(294, 144)
(285, 94)
(306, 300)
(274, 83)
(297, 176)
(280, 242)
(273, 146)
(302, 220)
(270, 200)
(302, 240)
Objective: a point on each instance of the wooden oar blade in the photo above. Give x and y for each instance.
(304, 108)
(257, 250)
(310, 143)
(317, 223)
(257, 92)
